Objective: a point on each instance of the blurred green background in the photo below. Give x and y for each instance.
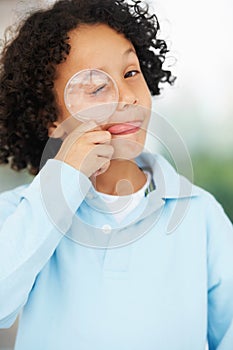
(216, 176)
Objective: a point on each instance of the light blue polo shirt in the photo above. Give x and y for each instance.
(81, 280)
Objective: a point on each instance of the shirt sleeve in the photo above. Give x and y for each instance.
(31, 228)
(220, 279)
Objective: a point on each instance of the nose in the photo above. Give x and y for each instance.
(127, 96)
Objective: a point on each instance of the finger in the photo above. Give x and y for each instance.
(81, 130)
(105, 151)
(99, 136)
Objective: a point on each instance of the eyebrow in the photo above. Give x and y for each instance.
(126, 53)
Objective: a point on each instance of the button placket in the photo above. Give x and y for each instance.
(117, 262)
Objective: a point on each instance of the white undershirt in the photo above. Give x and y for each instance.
(127, 203)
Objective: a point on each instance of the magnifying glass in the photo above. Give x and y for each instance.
(91, 94)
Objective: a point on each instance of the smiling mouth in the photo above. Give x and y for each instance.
(125, 128)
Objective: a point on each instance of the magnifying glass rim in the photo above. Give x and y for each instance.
(86, 70)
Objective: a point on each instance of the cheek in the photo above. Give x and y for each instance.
(59, 96)
(146, 99)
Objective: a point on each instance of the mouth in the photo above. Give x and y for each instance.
(125, 128)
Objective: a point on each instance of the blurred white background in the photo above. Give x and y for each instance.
(200, 104)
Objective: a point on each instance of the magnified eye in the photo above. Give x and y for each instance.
(98, 90)
(88, 89)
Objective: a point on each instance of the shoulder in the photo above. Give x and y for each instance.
(194, 203)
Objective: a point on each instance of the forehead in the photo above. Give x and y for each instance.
(93, 45)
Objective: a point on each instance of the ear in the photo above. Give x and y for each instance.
(64, 128)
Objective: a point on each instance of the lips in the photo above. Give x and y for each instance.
(124, 128)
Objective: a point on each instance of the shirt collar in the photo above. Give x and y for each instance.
(169, 184)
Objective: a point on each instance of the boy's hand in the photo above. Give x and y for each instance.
(87, 148)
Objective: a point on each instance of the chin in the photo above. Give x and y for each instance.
(126, 148)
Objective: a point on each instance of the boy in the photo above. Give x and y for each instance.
(156, 292)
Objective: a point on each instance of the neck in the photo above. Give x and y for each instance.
(123, 177)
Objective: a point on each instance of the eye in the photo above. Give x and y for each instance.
(97, 90)
(131, 73)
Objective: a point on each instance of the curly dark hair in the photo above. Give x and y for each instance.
(28, 68)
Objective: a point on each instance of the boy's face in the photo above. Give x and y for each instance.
(101, 47)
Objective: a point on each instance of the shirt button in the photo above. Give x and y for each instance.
(106, 229)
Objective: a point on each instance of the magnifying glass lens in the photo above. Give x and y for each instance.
(91, 94)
